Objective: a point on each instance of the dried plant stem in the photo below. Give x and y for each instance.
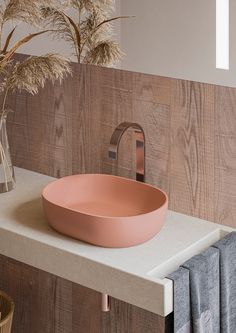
(4, 102)
(90, 33)
(8, 166)
(7, 56)
(98, 27)
(5, 166)
(8, 41)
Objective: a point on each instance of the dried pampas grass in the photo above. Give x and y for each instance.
(32, 73)
(102, 5)
(90, 34)
(21, 10)
(63, 26)
(105, 53)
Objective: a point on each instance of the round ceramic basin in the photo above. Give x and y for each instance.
(105, 210)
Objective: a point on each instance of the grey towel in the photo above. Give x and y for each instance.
(227, 248)
(212, 284)
(205, 291)
(196, 291)
(180, 278)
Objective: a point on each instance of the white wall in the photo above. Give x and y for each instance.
(176, 38)
(173, 38)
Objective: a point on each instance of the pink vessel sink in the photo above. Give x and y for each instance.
(105, 210)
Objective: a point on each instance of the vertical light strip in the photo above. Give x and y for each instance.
(222, 34)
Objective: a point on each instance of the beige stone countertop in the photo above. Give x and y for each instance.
(135, 275)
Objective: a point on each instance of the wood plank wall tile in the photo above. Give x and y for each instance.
(192, 149)
(110, 103)
(81, 129)
(41, 299)
(225, 156)
(45, 303)
(155, 120)
(191, 141)
(189, 126)
(152, 88)
(125, 318)
(86, 310)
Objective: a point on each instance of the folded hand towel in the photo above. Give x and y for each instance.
(196, 294)
(205, 291)
(180, 278)
(211, 279)
(227, 248)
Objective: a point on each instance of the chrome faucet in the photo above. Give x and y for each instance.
(140, 146)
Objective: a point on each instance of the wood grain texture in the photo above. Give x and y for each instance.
(125, 318)
(45, 303)
(225, 156)
(192, 149)
(191, 145)
(41, 300)
(189, 127)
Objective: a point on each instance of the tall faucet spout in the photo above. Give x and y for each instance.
(140, 146)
